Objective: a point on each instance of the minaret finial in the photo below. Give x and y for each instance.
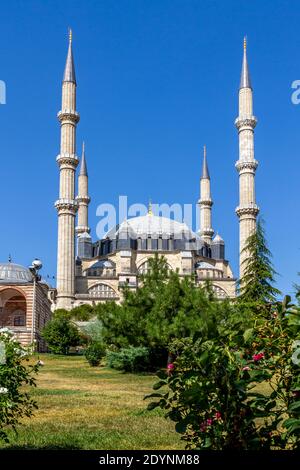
(70, 34)
(245, 43)
(150, 207)
(205, 172)
(9, 258)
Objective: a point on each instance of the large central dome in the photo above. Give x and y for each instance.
(153, 226)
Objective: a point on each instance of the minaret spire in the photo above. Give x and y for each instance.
(69, 73)
(247, 210)
(66, 205)
(205, 172)
(83, 167)
(205, 202)
(83, 198)
(245, 75)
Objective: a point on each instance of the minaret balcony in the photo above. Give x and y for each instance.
(83, 199)
(67, 160)
(205, 202)
(245, 122)
(207, 232)
(250, 209)
(68, 115)
(246, 166)
(66, 206)
(82, 229)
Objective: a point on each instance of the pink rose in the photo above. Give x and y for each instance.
(170, 366)
(258, 357)
(202, 427)
(209, 422)
(218, 415)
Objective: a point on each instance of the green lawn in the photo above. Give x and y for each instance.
(83, 407)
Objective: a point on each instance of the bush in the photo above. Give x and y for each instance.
(60, 334)
(93, 331)
(15, 402)
(237, 389)
(129, 359)
(94, 353)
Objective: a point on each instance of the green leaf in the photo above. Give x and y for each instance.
(161, 374)
(291, 422)
(295, 406)
(152, 405)
(248, 334)
(159, 384)
(181, 426)
(153, 395)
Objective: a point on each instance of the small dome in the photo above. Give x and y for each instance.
(14, 273)
(204, 265)
(218, 239)
(103, 263)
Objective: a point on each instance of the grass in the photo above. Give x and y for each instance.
(83, 407)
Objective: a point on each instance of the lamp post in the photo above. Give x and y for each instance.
(36, 265)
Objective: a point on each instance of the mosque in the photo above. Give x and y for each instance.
(95, 271)
(89, 272)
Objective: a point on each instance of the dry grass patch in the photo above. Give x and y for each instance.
(82, 407)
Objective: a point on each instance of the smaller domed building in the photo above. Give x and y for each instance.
(25, 307)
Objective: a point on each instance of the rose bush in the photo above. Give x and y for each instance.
(239, 388)
(15, 372)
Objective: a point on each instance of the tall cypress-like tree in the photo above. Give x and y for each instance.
(257, 284)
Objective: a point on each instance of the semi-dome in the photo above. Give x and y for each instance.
(154, 226)
(14, 273)
(204, 265)
(103, 263)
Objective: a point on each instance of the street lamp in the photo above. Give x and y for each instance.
(36, 265)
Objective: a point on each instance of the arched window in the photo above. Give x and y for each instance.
(102, 291)
(144, 268)
(19, 317)
(219, 292)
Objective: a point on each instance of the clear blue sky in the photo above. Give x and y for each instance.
(156, 80)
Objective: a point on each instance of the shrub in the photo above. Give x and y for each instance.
(60, 334)
(129, 359)
(94, 353)
(93, 330)
(238, 389)
(15, 402)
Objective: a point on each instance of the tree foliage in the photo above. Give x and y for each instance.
(60, 334)
(257, 284)
(163, 308)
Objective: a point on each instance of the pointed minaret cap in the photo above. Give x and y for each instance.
(205, 172)
(245, 76)
(83, 167)
(69, 74)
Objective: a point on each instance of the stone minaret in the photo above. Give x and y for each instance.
(205, 202)
(246, 165)
(83, 198)
(66, 205)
